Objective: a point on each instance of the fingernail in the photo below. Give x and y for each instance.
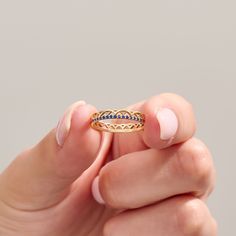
(64, 123)
(96, 192)
(168, 123)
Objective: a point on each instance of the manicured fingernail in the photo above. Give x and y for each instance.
(168, 123)
(95, 191)
(64, 123)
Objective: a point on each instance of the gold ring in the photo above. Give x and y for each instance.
(137, 120)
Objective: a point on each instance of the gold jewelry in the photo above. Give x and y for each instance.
(137, 118)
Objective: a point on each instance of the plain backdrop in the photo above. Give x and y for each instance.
(114, 53)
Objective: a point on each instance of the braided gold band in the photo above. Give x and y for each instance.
(137, 120)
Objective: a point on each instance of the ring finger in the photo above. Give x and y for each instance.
(178, 216)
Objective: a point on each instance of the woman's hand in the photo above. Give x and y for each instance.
(153, 182)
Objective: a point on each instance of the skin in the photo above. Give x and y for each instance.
(150, 186)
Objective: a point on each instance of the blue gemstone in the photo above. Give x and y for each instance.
(115, 116)
(118, 116)
(123, 117)
(107, 117)
(127, 117)
(110, 116)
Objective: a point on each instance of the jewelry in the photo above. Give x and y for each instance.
(137, 118)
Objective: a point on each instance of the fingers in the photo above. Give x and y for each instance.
(182, 215)
(176, 122)
(169, 120)
(144, 177)
(41, 176)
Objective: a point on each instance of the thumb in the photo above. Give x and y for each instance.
(42, 176)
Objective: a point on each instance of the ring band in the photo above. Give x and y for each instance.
(137, 120)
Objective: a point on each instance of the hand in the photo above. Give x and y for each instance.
(153, 182)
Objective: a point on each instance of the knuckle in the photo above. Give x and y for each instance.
(194, 160)
(107, 183)
(190, 217)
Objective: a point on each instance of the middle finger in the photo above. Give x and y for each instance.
(142, 178)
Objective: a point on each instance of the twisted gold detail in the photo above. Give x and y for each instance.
(137, 120)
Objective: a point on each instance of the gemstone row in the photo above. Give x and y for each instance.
(118, 117)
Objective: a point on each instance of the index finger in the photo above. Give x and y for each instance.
(169, 120)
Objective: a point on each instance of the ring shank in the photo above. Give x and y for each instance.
(114, 114)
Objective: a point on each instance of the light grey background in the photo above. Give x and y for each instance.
(112, 54)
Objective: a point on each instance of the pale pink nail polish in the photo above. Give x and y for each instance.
(96, 192)
(64, 124)
(168, 123)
